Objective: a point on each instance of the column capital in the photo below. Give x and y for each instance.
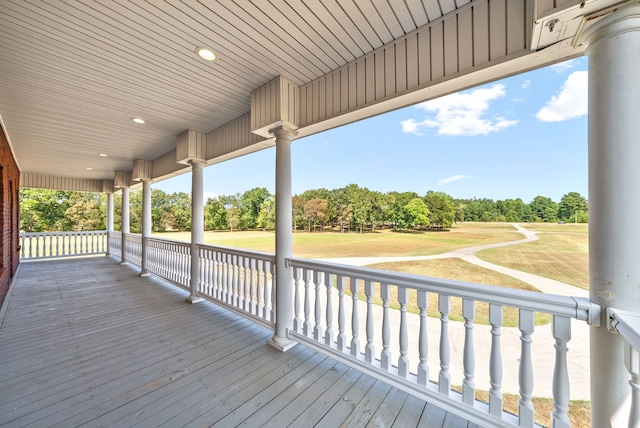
(196, 163)
(283, 132)
(603, 25)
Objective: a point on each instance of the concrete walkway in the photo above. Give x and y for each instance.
(543, 342)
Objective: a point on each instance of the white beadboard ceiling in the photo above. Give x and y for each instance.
(73, 73)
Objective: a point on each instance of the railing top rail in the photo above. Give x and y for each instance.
(95, 232)
(626, 324)
(575, 307)
(240, 252)
(168, 241)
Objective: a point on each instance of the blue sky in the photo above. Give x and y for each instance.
(519, 137)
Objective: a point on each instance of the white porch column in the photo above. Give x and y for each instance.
(146, 224)
(197, 226)
(614, 201)
(125, 223)
(109, 221)
(284, 279)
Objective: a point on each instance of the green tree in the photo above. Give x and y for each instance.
(544, 209)
(215, 214)
(44, 210)
(441, 208)
(573, 207)
(87, 211)
(417, 212)
(267, 214)
(250, 203)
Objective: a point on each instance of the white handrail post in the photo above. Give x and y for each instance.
(283, 278)
(197, 226)
(613, 47)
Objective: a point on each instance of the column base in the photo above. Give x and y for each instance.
(282, 344)
(144, 273)
(124, 262)
(194, 299)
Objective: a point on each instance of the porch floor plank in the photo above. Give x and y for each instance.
(87, 342)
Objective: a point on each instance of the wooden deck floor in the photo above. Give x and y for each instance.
(88, 342)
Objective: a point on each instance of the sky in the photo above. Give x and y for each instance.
(520, 137)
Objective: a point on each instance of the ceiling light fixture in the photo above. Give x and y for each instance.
(89, 168)
(206, 53)
(103, 155)
(137, 120)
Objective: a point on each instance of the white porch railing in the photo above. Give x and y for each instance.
(133, 247)
(40, 245)
(115, 243)
(327, 295)
(364, 318)
(241, 280)
(170, 260)
(627, 325)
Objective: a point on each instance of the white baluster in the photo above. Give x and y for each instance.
(318, 278)
(261, 289)
(271, 295)
(369, 349)
(37, 246)
(632, 362)
(444, 377)
(225, 274)
(234, 282)
(562, 334)
(297, 281)
(468, 359)
(495, 361)
(403, 360)
(51, 246)
(354, 285)
(328, 334)
(385, 357)
(219, 270)
(526, 369)
(308, 326)
(342, 338)
(253, 291)
(247, 284)
(423, 340)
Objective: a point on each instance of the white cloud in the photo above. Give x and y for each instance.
(526, 84)
(561, 67)
(452, 179)
(461, 114)
(570, 102)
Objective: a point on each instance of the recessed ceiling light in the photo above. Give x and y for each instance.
(137, 120)
(206, 53)
(103, 155)
(89, 168)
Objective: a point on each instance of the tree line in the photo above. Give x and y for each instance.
(351, 208)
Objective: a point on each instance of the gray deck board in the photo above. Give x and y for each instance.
(87, 342)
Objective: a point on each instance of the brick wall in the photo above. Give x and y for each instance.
(9, 215)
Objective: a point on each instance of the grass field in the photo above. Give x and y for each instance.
(561, 253)
(352, 244)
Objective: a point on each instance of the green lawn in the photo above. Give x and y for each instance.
(561, 253)
(353, 244)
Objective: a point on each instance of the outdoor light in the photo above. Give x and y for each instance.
(137, 120)
(103, 155)
(89, 168)
(206, 53)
